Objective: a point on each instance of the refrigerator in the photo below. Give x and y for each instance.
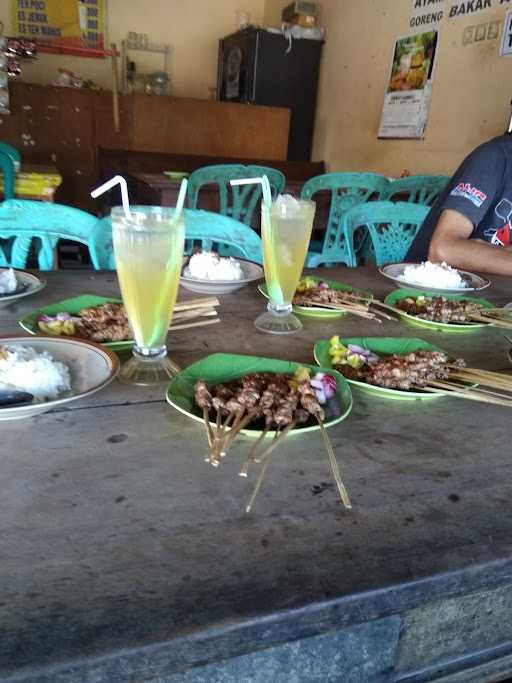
(263, 67)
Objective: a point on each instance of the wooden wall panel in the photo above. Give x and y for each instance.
(65, 126)
(210, 128)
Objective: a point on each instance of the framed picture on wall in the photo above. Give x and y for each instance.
(409, 88)
(73, 27)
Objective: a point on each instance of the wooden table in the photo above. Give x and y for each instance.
(125, 557)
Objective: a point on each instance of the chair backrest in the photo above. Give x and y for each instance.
(392, 226)
(25, 222)
(202, 228)
(228, 236)
(13, 153)
(346, 191)
(419, 189)
(238, 202)
(8, 171)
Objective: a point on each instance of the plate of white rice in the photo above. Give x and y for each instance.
(436, 277)
(16, 284)
(208, 273)
(54, 370)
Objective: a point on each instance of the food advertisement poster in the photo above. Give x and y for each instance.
(75, 27)
(409, 89)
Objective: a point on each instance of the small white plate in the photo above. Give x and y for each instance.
(252, 271)
(91, 368)
(475, 283)
(27, 284)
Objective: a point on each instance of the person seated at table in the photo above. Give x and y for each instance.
(469, 226)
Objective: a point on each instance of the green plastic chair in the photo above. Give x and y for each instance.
(202, 228)
(419, 189)
(13, 153)
(391, 226)
(8, 171)
(347, 190)
(240, 201)
(26, 223)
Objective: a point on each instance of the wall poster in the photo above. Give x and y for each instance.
(409, 89)
(75, 27)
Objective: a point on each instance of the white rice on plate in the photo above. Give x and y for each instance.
(8, 282)
(428, 274)
(208, 265)
(23, 369)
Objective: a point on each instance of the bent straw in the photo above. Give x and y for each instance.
(181, 197)
(116, 180)
(263, 181)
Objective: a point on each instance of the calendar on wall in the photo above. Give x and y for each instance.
(74, 27)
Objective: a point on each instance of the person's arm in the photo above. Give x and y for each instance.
(450, 242)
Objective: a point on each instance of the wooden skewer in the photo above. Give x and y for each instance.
(194, 313)
(475, 378)
(334, 466)
(266, 461)
(237, 428)
(185, 326)
(208, 427)
(470, 394)
(485, 377)
(244, 470)
(361, 312)
(210, 301)
(495, 322)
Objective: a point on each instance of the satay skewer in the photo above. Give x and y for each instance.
(266, 462)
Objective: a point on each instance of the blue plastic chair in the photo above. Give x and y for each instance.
(8, 170)
(419, 189)
(392, 226)
(202, 228)
(25, 223)
(347, 190)
(13, 153)
(238, 202)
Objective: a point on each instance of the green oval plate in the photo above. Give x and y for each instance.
(72, 306)
(385, 346)
(226, 367)
(398, 294)
(317, 311)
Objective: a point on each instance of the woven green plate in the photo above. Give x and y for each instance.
(382, 346)
(317, 311)
(72, 306)
(398, 294)
(225, 367)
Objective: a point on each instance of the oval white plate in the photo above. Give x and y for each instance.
(29, 284)
(252, 271)
(91, 368)
(394, 271)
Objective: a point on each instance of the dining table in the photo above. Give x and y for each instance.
(124, 556)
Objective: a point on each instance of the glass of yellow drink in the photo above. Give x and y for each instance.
(286, 231)
(149, 250)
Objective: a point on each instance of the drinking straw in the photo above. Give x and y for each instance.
(267, 196)
(116, 180)
(181, 197)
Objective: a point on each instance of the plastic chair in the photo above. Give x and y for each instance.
(238, 202)
(13, 153)
(25, 223)
(392, 226)
(419, 189)
(347, 190)
(202, 228)
(8, 170)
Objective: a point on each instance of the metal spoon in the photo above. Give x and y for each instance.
(14, 398)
